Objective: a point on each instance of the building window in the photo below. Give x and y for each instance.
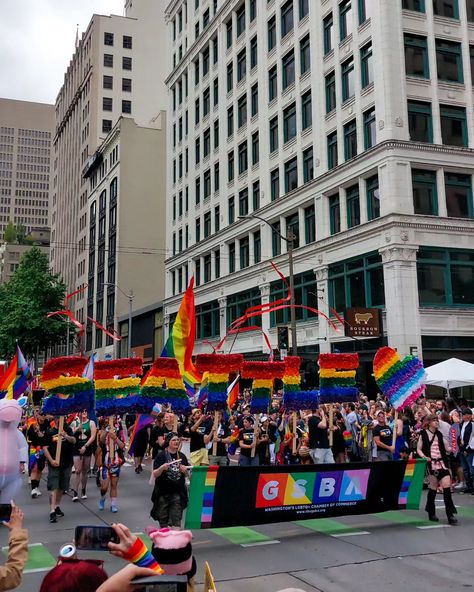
(272, 83)
(366, 65)
(288, 69)
(241, 65)
(231, 258)
(470, 10)
(353, 206)
(305, 295)
(216, 178)
(197, 271)
(108, 82)
(230, 76)
(198, 190)
(253, 10)
(206, 102)
(363, 12)
(106, 104)
(347, 71)
(309, 225)
(207, 224)
(274, 134)
(334, 214)
(230, 121)
(242, 111)
(254, 99)
(106, 125)
(453, 125)
(357, 282)
(243, 157)
(198, 229)
(306, 110)
(345, 18)
(370, 129)
(257, 247)
(447, 8)
(229, 33)
(253, 52)
(287, 18)
(276, 239)
(126, 63)
(303, 8)
(230, 166)
(373, 197)
(275, 184)
(308, 165)
(293, 227)
(445, 277)
(449, 61)
(243, 202)
(291, 175)
(328, 33)
(458, 195)
(350, 140)
(471, 57)
(416, 56)
(108, 38)
(244, 253)
(127, 84)
(289, 123)
(217, 219)
(271, 33)
(207, 183)
(255, 148)
(126, 106)
(256, 195)
(207, 318)
(332, 150)
(240, 14)
(425, 195)
(216, 134)
(205, 62)
(127, 42)
(108, 60)
(197, 151)
(231, 209)
(237, 304)
(330, 84)
(416, 5)
(419, 121)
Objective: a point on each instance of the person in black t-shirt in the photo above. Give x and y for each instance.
(263, 444)
(201, 433)
(59, 473)
(320, 450)
(169, 494)
(221, 436)
(248, 439)
(382, 434)
(36, 436)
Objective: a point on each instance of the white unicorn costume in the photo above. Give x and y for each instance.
(13, 450)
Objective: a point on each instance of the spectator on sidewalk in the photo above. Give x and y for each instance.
(11, 572)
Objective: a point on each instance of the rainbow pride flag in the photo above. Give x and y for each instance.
(141, 422)
(17, 378)
(180, 343)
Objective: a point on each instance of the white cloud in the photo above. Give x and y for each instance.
(37, 42)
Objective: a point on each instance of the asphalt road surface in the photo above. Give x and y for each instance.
(391, 551)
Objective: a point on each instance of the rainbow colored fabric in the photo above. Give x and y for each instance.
(294, 399)
(139, 554)
(163, 384)
(69, 391)
(117, 384)
(141, 422)
(337, 378)
(180, 343)
(401, 381)
(218, 368)
(263, 375)
(17, 378)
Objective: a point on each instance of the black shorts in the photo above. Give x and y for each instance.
(439, 473)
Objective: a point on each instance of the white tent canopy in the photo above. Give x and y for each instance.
(452, 373)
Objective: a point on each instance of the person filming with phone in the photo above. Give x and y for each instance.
(11, 572)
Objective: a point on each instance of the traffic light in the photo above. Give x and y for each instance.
(283, 337)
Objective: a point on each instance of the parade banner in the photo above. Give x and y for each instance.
(239, 496)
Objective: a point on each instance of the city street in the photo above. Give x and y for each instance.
(391, 551)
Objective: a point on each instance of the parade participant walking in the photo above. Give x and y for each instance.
(59, 473)
(221, 436)
(85, 432)
(156, 433)
(321, 452)
(382, 434)
(142, 440)
(201, 433)
(247, 436)
(466, 449)
(110, 458)
(36, 436)
(431, 447)
(170, 496)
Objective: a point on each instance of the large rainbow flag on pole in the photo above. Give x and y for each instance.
(17, 378)
(180, 343)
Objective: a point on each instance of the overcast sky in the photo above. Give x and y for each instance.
(37, 41)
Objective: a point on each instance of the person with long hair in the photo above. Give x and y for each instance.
(36, 437)
(431, 447)
(85, 431)
(110, 457)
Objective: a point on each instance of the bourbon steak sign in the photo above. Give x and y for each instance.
(362, 322)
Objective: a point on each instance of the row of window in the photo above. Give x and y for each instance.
(109, 61)
(346, 21)
(107, 105)
(126, 40)
(446, 8)
(453, 123)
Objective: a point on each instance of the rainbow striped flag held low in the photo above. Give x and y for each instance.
(263, 375)
(117, 384)
(17, 378)
(141, 422)
(218, 368)
(163, 384)
(69, 390)
(180, 343)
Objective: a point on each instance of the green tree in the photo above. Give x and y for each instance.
(10, 233)
(25, 301)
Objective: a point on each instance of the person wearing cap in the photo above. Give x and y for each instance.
(382, 435)
(466, 449)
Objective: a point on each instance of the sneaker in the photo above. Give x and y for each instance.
(59, 512)
(34, 493)
(102, 504)
(452, 520)
(459, 486)
(52, 517)
(84, 495)
(75, 497)
(113, 509)
(38, 492)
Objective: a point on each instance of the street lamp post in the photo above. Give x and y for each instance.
(289, 239)
(130, 307)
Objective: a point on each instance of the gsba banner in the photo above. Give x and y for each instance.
(231, 496)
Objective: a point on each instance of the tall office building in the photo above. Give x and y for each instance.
(26, 131)
(117, 70)
(348, 124)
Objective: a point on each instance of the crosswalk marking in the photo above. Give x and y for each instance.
(346, 534)
(241, 535)
(327, 526)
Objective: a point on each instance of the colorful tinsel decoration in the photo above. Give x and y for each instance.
(401, 381)
(68, 390)
(163, 384)
(117, 384)
(337, 378)
(263, 374)
(218, 368)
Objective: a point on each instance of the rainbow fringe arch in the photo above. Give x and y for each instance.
(218, 367)
(68, 390)
(401, 381)
(263, 374)
(117, 384)
(164, 385)
(294, 399)
(337, 378)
